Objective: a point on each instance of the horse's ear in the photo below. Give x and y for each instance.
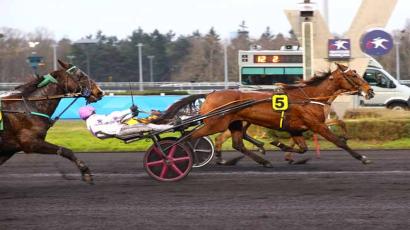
(63, 64)
(340, 66)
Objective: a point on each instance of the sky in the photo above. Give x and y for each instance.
(75, 19)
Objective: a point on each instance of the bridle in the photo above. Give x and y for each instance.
(75, 71)
(351, 82)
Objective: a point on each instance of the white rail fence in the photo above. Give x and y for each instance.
(123, 86)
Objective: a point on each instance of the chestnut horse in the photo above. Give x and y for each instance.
(224, 136)
(305, 112)
(27, 111)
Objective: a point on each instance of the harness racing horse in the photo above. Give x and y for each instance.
(224, 136)
(27, 111)
(305, 112)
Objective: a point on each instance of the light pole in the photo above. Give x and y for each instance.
(397, 42)
(54, 56)
(141, 81)
(34, 60)
(226, 65)
(151, 72)
(86, 42)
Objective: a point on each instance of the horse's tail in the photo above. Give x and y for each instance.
(170, 113)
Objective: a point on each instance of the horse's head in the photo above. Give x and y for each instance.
(351, 81)
(73, 80)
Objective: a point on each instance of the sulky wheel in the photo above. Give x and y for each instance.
(174, 166)
(202, 150)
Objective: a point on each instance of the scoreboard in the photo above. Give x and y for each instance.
(257, 58)
(265, 68)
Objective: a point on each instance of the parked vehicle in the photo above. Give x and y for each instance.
(388, 91)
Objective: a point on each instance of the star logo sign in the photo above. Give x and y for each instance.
(377, 42)
(340, 45)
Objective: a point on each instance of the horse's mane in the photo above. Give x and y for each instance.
(29, 87)
(315, 80)
(176, 107)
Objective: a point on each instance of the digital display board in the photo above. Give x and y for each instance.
(277, 59)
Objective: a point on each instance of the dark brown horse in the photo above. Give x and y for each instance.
(305, 112)
(27, 111)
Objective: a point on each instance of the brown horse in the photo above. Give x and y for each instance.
(27, 111)
(305, 112)
(224, 136)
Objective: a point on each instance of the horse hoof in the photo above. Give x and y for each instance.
(367, 161)
(262, 151)
(267, 165)
(275, 143)
(344, 139)
(301, 162)
(88, 178)
(220, 161)
(234, 161)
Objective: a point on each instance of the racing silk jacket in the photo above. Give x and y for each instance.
(106, 125)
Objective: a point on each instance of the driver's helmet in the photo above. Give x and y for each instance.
(86, 111)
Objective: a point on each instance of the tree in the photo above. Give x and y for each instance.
(265, 41)
(194, 66)
(178, 51)
(214, 55)
(240, 42)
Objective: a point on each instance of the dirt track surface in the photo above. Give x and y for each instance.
(334, 192)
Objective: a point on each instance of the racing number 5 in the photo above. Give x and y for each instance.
(280, 102)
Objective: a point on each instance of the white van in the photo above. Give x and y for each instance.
(388, 91)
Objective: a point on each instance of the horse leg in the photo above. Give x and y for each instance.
(237, 143)
(341, 124)
(325, 132)
(257, 143)
(36, 145)
(219, 140)
(297, 140)
(289, 155)
(211, 128)
(300, 141)
(5, 157)
(286, 148)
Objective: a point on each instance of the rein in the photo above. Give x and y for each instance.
(318, 100)
(44, 98)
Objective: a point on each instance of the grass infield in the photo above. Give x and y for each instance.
(74, 135)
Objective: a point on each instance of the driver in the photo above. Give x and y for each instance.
(105, 126)
(380, 81)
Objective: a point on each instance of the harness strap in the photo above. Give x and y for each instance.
(41, 115)
(72, 70)
(318, 103)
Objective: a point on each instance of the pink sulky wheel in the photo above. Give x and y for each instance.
(175, 166)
